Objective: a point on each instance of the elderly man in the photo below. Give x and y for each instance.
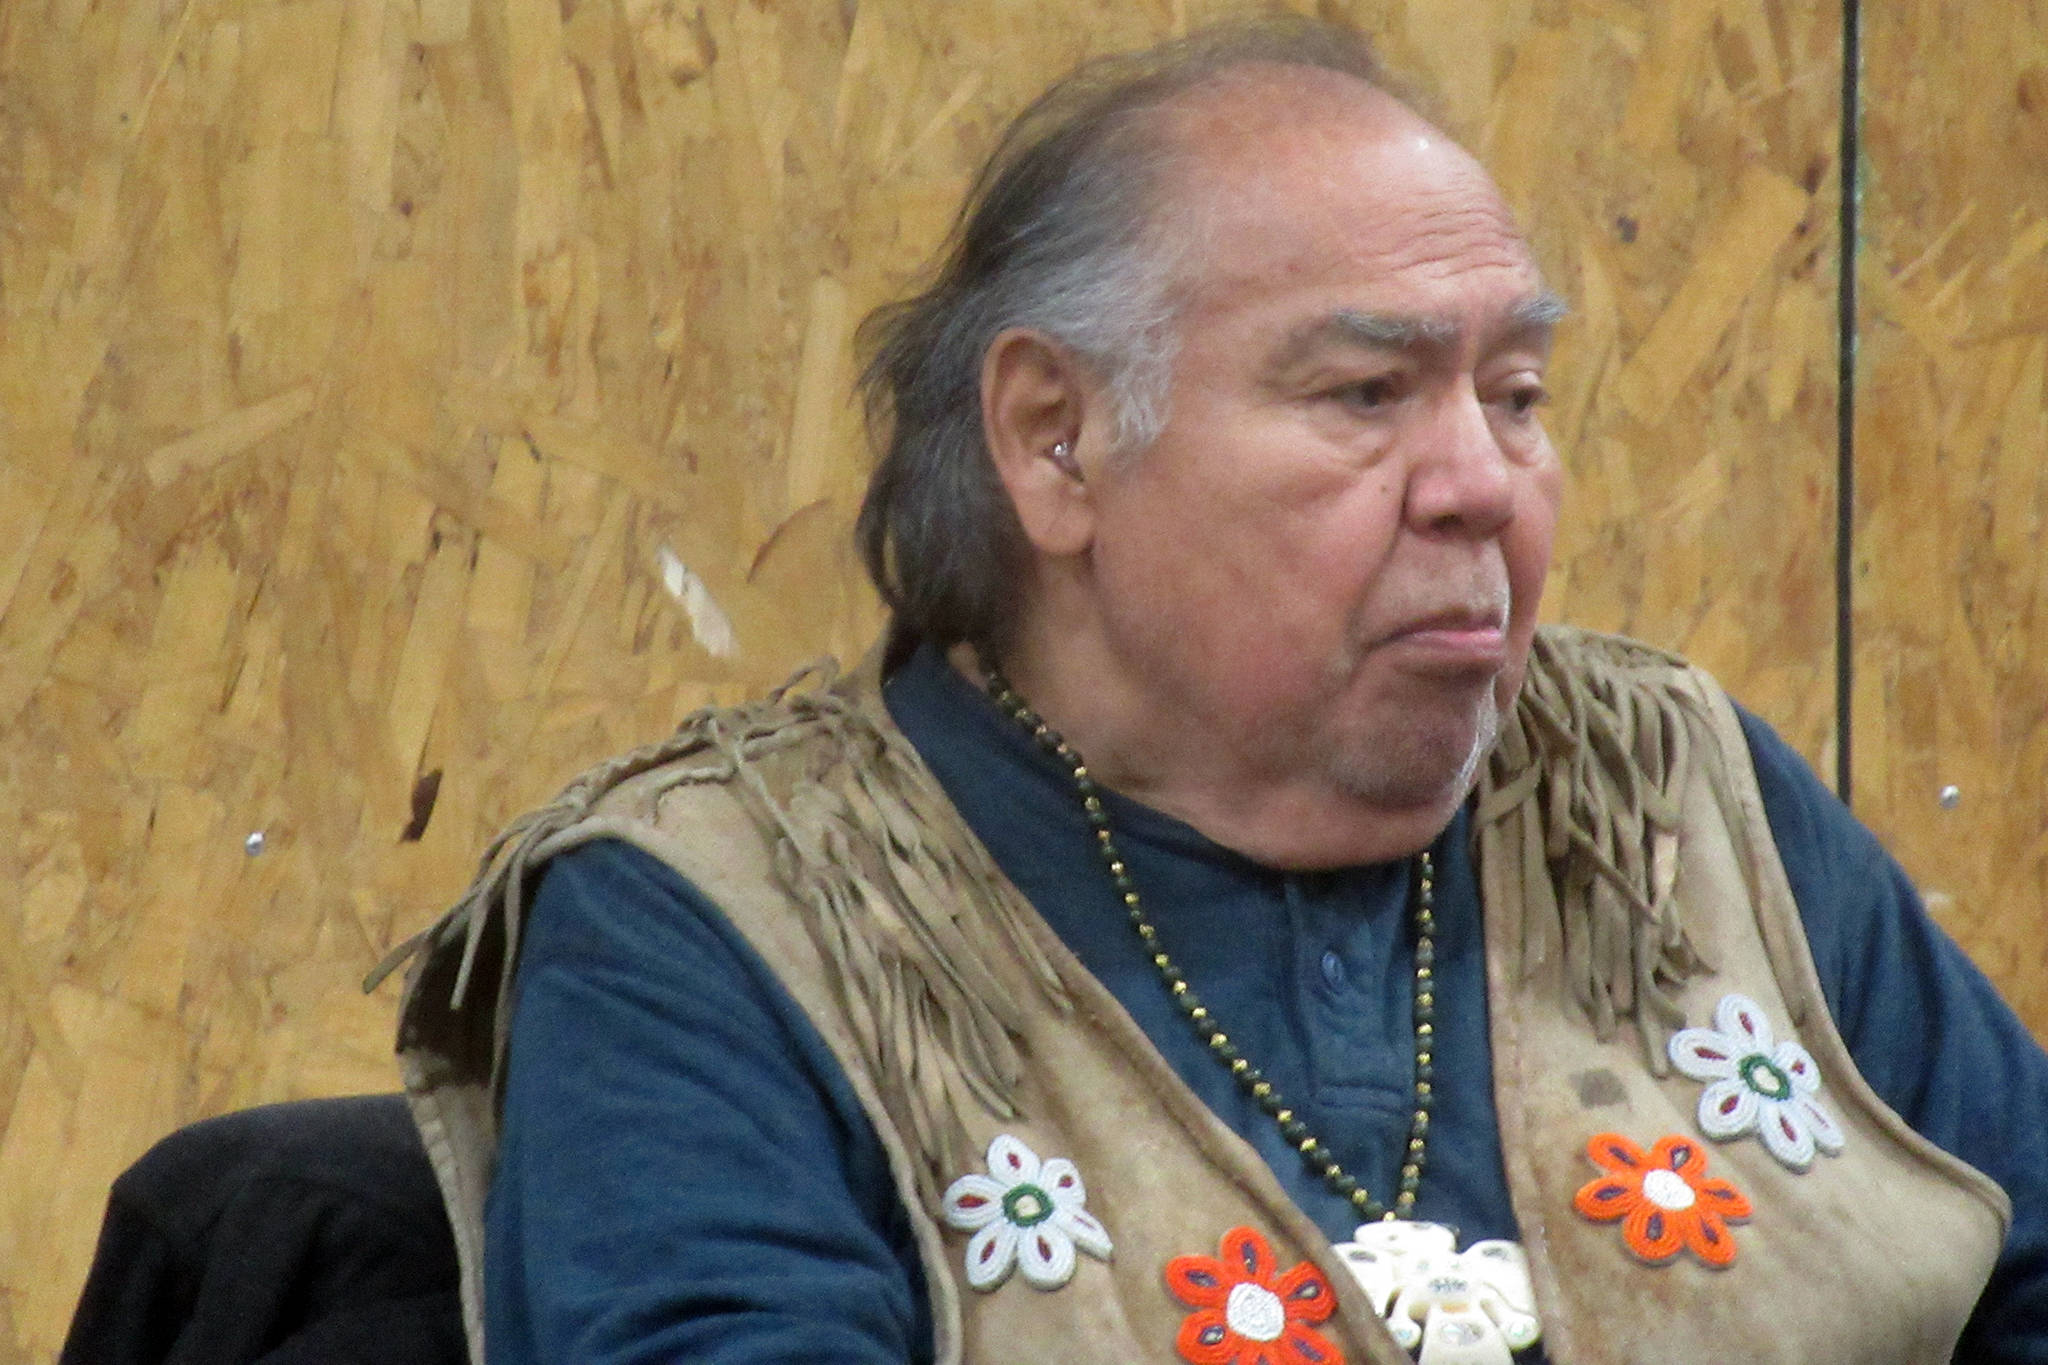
(1219, 925)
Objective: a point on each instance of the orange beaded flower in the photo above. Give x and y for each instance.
(1245, 1314)
(1666, 1201)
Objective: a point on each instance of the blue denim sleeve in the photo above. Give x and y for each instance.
(684, 1172)
(1926, 1029)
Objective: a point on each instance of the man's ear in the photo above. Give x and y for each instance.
(1035, 399)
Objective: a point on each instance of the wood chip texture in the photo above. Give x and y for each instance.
(404, 403)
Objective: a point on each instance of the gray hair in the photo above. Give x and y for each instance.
(1055, 235)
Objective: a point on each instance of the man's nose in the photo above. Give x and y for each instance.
(1461, 480)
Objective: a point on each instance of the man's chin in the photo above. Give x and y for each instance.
(1418, 768)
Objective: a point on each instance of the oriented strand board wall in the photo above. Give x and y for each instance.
(1681, 172)
(1952, 473)
(405, 402)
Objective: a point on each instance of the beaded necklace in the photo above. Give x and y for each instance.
(1248, 1076)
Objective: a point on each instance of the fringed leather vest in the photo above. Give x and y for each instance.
(1632, 895)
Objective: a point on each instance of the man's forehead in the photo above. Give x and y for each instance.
(1244, 121)
(1318, 164)
(1256, 98)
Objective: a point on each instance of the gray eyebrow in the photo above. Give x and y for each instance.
(1399, 331)
(1388, 331)
(1539, 311)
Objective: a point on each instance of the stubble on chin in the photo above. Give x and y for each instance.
(1404, 767)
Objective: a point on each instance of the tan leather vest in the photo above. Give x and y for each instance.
(1630, 883)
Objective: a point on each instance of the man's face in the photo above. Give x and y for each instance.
(1330, 561)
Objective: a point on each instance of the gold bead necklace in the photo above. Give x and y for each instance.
(1249, 1078)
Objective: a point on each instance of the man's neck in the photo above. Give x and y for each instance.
(1296, 821)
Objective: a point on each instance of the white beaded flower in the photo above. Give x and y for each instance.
(1755, 1082)
(1026, 1213)
(1471, 1307)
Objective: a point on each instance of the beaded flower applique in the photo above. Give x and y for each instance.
(1024, 1214)
(1248, 1314)
(1756, 1083)
(1664, 1199)
(1471, 1307)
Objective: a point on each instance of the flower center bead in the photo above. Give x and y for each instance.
(1762, 1075)
(1027, 1205)
(1254, 1313)
(1668, 1190)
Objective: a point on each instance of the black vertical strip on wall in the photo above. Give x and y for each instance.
(1851, 178)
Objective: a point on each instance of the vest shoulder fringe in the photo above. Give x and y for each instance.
(925, 946)
(1582, 793)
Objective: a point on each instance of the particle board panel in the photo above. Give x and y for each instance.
(1675, 165)
(406, 402)
(1951, 584)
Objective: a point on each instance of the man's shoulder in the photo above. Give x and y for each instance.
(1589, 691)
(822, 717)
(1578, 647)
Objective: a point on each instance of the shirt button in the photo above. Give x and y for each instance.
(1333, 971)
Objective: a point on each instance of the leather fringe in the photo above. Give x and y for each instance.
(1581, 793)
(910, 918)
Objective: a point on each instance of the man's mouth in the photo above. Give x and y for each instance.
(1459, 637)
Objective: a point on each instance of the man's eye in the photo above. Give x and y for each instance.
(1524, 399)
(1369, 393)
